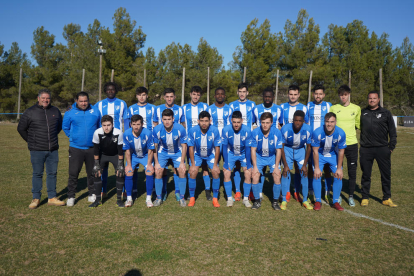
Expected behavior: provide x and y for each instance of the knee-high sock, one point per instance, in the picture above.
(128, 185)
(182, 183)
(149, 184)
(134, 183)
(164, 184)
(337, 187)
(328, 184)
(304, 181)
(246, 189)
(104, 177)
(228, 188)
(317, 187)
(177, 184)
(285, 185)
(158, 187)
(261, 183)
(256, 190)
(216, 187)
(237, 180)
(119, 187)
(97, 182)
(297, 181)
(206, 179)
(276, 190)
(191, 186)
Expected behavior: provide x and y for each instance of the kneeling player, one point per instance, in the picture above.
(170, 141)
(295, 137)
(107, 142)
(204, 148)
(266, 151)
(138, 144)
(236, 140)
(328, 143)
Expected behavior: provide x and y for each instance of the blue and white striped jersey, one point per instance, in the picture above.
(116, 108)
(220, 116)
(288, 111)
(329, 145)
(246, 108)
(266, 146)
(317, 113)
(178, 113)
(191, 114)
(146, 111)
(204, 144)
(169, 142)
(296, 140)
(274, 109)
(236, 142)
(138, 146)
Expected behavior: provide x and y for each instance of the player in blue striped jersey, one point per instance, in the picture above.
(118, 110)
(266, 151)
(295, 137)
(317, 110)
(328, 144)
(204, 148)
(139, 149)
(236, 140)
(170, 141)
(220, 111)
(143, 108)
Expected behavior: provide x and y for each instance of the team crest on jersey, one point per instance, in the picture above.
(175, 112)
(210, 138)
(271, 142)
(378, 116)
(226, 113)
(353, 114)
(303, 137)
(91, 111)
(175, 137)
(243, 138)
(115, 139)
(335, 141)
(274, 114)
(249, 108)
(149, 111)
(323, 108)
(117, 108)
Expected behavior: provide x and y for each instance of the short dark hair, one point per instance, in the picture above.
(219, 88)
(107, 118)
(329, 115)
(268, 89)
(109, 84)
(137, 117)
(204, 114)
(299, 113)
(141, 90)
(344, 88)
(168, 113)
(44, 91)
(197, 89)
(319, 87)
(374, 92)
(293, 87)
(243, 85)
(266, 115)
(237, 115)
(168, 90)
(82, 94)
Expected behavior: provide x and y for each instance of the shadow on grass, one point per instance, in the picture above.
(133, 272)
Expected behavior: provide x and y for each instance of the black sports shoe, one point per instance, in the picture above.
(120, 204)
(208, 195)
(95, 204)
(256, 205)
(275, 205)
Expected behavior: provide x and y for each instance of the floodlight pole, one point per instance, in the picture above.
(101, 51)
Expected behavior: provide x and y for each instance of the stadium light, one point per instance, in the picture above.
(101, 51)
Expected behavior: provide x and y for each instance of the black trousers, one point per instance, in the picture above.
(104, 161)
(76, 159)
(383, 157)
(351, 154)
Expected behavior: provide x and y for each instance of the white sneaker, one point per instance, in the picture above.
(149, 203)
(247, 203)
(229, 203)
(128, 203)
(70, 202)
(92, 198)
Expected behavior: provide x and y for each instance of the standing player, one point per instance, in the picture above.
(348, 117)
(139, 149)
(171, 145)
(317, 111)
(118, 110)
(236, 140)
(328, 144)
(246, 107)
(266, 151)
(107, 142)
(295, 137)
(275, 110)
(220, 112)
(288, 109)
(204, 148)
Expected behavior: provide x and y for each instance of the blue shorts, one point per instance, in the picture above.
(232, 159)
(135, 161)
(262, 162)
(331, 161)
(297, 155)
(164, 158)
(209, 160)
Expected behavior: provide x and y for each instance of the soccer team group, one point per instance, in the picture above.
(309, 139)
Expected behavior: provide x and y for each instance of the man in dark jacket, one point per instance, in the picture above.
(79, 124)
(376, 125)
(39, 127)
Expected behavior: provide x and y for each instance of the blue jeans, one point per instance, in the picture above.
(39, 159)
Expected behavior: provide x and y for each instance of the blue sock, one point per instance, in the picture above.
(256, 191)
(128, 185)
(246, 189)
(191, 186)
(228, 188)
(164, 184)
(261, 184)
(182, 183)
(134, 183)
(149, 184)
(158, 187)
(296, 180)
(337, 187)
(206, 179)
(276, 191)
(285, 185)
(304, 181)
(104, 177)
(176, 183)
(328, 184)
(317, 187)
(216, 187)
(237, 180)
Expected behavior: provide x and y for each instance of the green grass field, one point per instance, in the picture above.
(170, 240)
